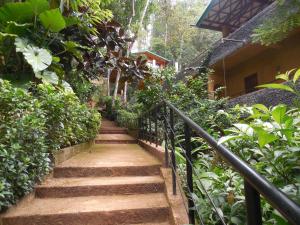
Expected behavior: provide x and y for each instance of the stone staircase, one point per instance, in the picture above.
(115, 182)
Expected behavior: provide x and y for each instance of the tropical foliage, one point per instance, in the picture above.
(34, 124)
(266, 138)
(50, 42)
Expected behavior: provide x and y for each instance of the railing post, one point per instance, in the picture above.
(173, 158)
(253, 206)
(166, 136)
(156, 126)
(189, 171)
(150, 128)
(140, 128)
(143, 127)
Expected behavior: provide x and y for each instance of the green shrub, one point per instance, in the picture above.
(68, 121)
(111, 110)
(32, 126)
(24, 155)
(127, 119)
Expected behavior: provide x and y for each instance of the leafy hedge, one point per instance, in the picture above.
(33, 125)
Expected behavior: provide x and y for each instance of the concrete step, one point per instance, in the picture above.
(76, 187)
(93, 210)
(165, 223)
(60, 172)
(115, 139)
(113, 130)
(108, 123)
(110, 160)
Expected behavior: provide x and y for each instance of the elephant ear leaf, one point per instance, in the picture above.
(53, 20)
(39, 58)
(48, 77)
(21, 44)
(38, 6)
(20, 12)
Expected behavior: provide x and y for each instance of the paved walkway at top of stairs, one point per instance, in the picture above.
(113, 183)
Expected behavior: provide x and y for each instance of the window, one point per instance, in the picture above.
(251, 83)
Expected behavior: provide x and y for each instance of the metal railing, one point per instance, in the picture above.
(157, 125)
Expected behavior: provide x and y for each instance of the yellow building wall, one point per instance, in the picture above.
(266, 65)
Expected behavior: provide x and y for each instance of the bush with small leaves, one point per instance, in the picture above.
(33, 125)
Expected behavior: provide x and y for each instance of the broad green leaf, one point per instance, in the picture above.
(209, 175)
(72, 45)
(245, 128)
(20, 12)
(67, 86)
(207, 183)
(38, 6)
(220, 212)
(280, 220)
(288, 122)
(7, 35)
(296, 76)
(284, 76)
(17, 28)
(53, 20)
(288, 134)
(264, 137)
(21, 44)
(278, 154)
(56, 59)
(290, 71)
(277, 86)
(48, 77)
(278, 113)
(39, 58)
(70, 21)
(261, 107)
(236, 220)
(227, 138)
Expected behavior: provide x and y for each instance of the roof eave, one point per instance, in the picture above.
(208, 8)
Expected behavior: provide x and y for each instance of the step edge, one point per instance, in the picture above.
(86, 212)
(98, 186)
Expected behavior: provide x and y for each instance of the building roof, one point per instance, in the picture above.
(242, 35)
(221, 48)
(154, 55)
(230, 14)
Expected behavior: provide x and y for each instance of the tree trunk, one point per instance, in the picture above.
(125, 93)
(108, 83)
(132, 15)
(140, 24)
(166, 36)
(144, 14)
(116, 88)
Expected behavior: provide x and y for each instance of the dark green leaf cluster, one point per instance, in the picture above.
(35, 123)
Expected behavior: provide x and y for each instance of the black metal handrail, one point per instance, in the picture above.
(254, 183)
